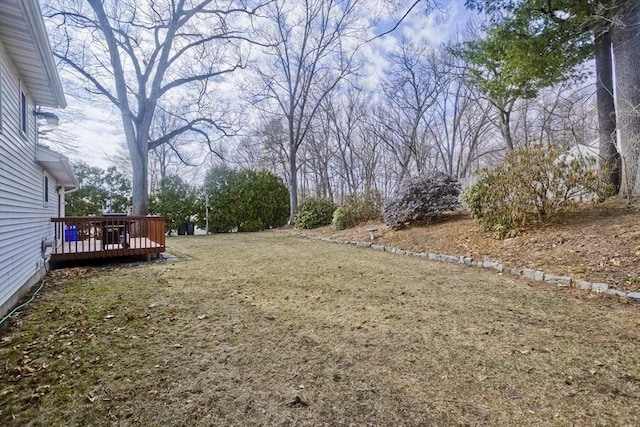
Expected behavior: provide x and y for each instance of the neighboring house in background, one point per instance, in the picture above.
(33, 178)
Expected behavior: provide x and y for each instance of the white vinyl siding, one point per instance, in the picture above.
(24, 220)
(1, 92)
(45, 190)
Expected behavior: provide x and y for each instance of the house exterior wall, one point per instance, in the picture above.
(25, 216)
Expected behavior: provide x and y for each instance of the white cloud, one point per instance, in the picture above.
(89, 131)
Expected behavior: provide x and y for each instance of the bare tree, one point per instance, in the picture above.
(318, 154)
(410, 91)
(140, 55)
(312, 50)
(173, 156)
(460, 124)
(274, 148)
(369, 153)
(345, 114)
(247, 153)
(352, 142)
(563, 115)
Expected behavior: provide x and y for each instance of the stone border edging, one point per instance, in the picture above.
(528, 273)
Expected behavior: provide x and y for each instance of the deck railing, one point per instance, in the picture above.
(84, 237)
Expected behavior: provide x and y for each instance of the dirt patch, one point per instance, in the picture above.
(267, 329)
(598, 243)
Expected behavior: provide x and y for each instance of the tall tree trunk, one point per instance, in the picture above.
(625, 36)
(609, 156)
(505, 128)
(140, 185)
(293, 185)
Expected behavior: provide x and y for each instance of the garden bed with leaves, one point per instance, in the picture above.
(597, 243)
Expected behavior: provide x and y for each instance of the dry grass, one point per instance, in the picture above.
(597, 243)
(266, 329)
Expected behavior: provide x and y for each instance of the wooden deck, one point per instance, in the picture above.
(79, 238)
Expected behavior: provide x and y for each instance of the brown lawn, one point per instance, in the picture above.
(267, 329)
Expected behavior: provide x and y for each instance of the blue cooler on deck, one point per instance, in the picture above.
(71, 234)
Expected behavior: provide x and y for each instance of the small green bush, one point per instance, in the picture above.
(532, 185)
(342, 218)
(356, 209)
(314, 212)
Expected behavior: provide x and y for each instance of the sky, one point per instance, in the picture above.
(90, 129)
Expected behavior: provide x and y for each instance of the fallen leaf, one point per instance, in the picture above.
(298, 403)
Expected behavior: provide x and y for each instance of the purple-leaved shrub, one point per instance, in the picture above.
(422, 198)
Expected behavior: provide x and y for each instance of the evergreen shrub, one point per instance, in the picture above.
(314, 212)
(243, 200)
(356, 209)
(532, 185)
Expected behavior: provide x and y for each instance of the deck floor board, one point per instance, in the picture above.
(95, 248)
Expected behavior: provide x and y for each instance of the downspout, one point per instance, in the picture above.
(62, 190)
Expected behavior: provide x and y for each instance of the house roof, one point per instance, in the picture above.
(24, 35)
(57, 165)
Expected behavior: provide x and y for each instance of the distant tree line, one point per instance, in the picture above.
(314, 114)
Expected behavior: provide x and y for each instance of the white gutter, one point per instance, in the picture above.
(73, 190)
(57, 165)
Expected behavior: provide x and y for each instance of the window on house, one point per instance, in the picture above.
(23, 113)
(46, 191)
